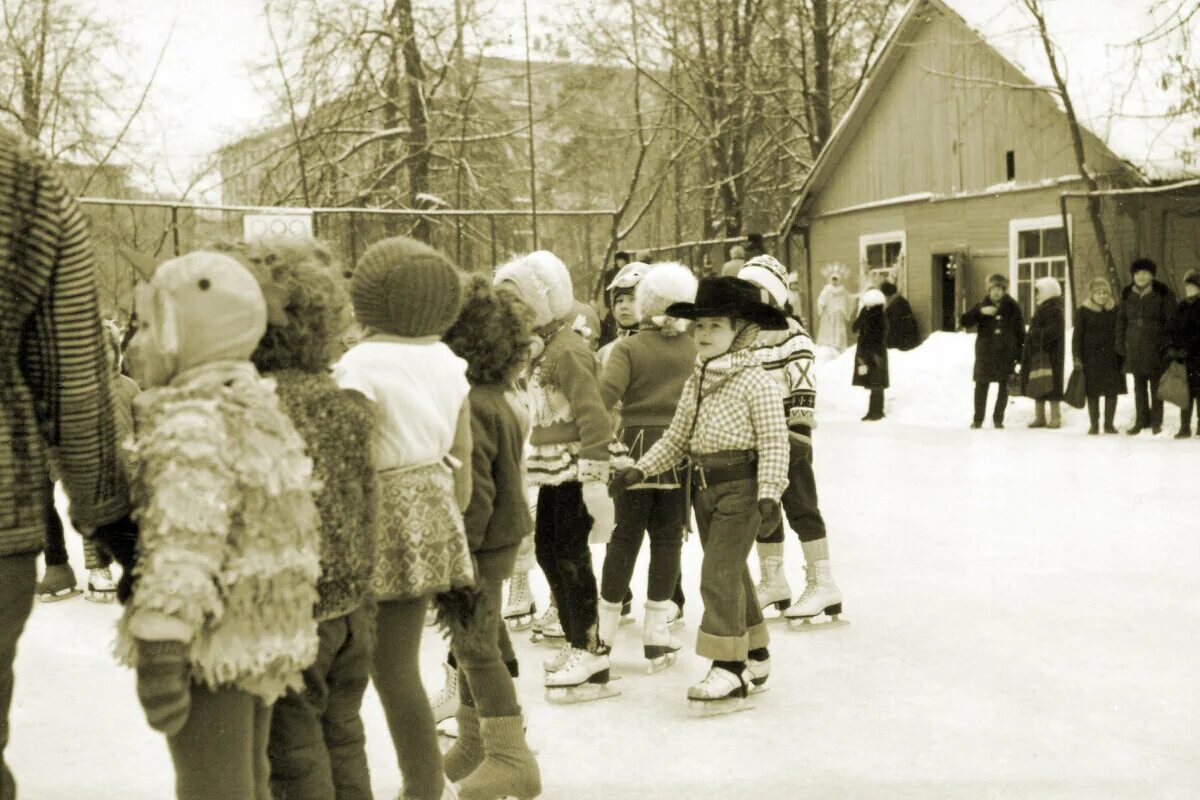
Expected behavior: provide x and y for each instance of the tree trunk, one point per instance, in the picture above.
(822, 111)
(418, 115)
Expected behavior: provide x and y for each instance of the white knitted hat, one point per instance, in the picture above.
(766, 272)
(544, 283)
(873, 297)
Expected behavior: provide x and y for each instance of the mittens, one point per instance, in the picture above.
(768, 511)
(600, 506)
(164, 684)
(623, 480)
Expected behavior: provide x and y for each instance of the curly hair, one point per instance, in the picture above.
(492, 333)
(301, 273)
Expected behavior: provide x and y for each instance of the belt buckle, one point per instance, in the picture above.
(703, 477)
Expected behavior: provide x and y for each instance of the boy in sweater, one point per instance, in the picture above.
(788, 357)
(730, 424)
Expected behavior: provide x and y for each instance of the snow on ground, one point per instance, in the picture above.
(1024, 624)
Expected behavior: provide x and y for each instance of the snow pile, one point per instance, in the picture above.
(932, 385)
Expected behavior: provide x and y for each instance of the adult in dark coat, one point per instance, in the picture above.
(1184, 347)
(1094, 350)
(1046, 337)
(902, 323)
(1146, 308)
(871, 357)
(1000, 337)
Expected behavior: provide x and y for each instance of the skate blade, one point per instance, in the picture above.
(660, 663)
(807, 623)
(62, 594)
(583, 693)
(518, 624)
(101, 597)
(702, 709)
(538, 637)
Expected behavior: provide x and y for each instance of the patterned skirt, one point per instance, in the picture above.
(421, 547)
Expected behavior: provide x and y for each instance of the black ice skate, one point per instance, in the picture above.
(583, 677)
(721, 692)
(57, 584)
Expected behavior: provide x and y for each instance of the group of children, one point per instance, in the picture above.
(301, 504)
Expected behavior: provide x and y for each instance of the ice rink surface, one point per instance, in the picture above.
(1024, 623)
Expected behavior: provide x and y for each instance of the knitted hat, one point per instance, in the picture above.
(1193, 277)
(663, 285)
(197, 309)
(767, 273)
(1143, 264)
(543, 282)
(998, 280)
(406, 288)
(873, 297)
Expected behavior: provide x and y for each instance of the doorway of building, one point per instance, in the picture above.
(944, 284)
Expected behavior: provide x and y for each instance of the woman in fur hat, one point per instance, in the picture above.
(1094, 349)
(870, 355)
(568, 461)
(1046, 337)
(1184, 347)
(406, 295)
(730, 423)
(644, 376)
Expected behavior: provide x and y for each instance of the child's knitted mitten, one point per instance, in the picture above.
(164, 685)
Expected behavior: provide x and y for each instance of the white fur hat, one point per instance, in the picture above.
(766, 272)
(1047, 288)
(544, 284)
(665, 283)
(873, 297)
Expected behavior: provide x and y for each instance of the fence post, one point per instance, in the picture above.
(492, 227)
(175, 229)
(353, 242)
(458, 241)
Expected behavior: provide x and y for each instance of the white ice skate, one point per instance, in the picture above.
(721, 692)
(520, 608)
(547, 626)
(675, 617)
(627, 613)
(583, 678)
(445, 703)
(658, 643)
(558, 660)
(757, 673)
(772, 588)
(101, 588)
(821, 596)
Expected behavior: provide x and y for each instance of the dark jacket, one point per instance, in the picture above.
(902, 331)
(1095, 345)
(497, 517)
(1184, 338)
(999, 340)
(1142, 329)
(1047, 336)
(871, 327)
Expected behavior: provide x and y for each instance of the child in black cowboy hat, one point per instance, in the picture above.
(730, 423)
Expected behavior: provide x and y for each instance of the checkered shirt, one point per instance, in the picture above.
(740, 408)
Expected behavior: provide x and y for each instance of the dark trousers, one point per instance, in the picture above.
(56, 541)
(659, 513)
(981, 397)
(875, 404)
(318, 745)
(732, 625)
(1185, 413)
(1110, 409)
(485, 678)
(560, 541)
(1149, 407)
(18, 576)
(800, 499)
(221, 753)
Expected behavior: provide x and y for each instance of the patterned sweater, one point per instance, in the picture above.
(571, 430)
(729, 403)
(788, 357)
(54, 388)
(338, 434)
(229, 542)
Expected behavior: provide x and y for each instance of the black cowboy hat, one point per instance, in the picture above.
(733, 298)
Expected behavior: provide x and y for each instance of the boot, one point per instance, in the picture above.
(657, 640)
(445, 702)
(821, 594)
(1039, 415)
(467, 752)
(1055, 415)
(609, 620)
(509, 768)
(772, 588)
(57, 584)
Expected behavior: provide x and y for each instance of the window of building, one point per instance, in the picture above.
(1037, 249)
(883, 254)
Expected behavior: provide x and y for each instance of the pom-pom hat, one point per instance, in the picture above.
(766, 272)
(734, 298)
(406, 288)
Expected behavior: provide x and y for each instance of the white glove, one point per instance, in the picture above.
(600, 506)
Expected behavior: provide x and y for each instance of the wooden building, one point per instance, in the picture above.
(953, 164)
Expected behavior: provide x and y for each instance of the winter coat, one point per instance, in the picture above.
(999, 340)
(871, 327)
(902, 324)
(1184, 339)
(1142, 329)
(1047, 335)
(1095, 345)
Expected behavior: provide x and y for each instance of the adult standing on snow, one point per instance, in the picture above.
(1143, 314)
(871, 356)
(1185, 347)
(1046, 337)
(902, 323)
(54, 393)
(1094, 348)
(1000, 335)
